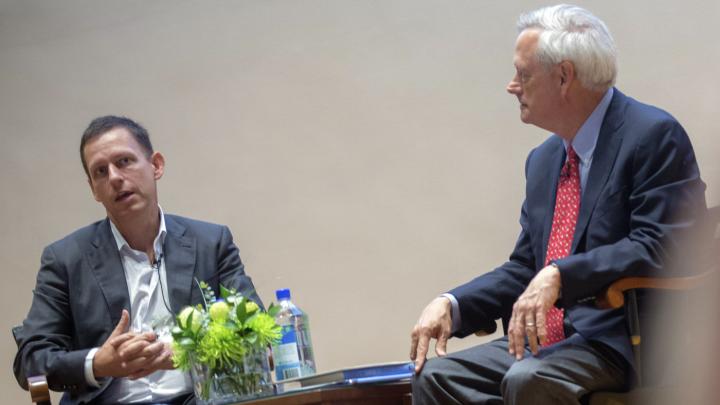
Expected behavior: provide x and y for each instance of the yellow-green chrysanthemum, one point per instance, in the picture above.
(220, 346)
(267, 330)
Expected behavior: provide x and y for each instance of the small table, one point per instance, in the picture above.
(397, 393)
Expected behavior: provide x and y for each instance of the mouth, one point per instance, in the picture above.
(123, 196)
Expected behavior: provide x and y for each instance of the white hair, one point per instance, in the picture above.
(572, 33)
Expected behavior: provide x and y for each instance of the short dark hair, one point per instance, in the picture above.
(102, 125)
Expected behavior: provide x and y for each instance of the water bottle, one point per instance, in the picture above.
(293, 355)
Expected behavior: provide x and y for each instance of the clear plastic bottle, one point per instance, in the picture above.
(293, 356)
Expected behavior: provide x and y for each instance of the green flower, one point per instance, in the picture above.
(251, 306)
(219, 334)
(268, 332)
(219, 311)
(196, 319)
(220, 347)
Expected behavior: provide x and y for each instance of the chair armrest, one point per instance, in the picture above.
(39, 392)
(614, 295)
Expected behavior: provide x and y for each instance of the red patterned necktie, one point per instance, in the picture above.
(567, 207)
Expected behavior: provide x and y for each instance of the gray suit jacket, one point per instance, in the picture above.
(81, 291)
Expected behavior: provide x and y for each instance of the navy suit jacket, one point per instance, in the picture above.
(81, 291)
(642, 197)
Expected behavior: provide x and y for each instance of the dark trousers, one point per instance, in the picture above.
(488, 374)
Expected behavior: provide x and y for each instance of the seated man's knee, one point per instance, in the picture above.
(431, 371)
(428, 385)
(523, 376)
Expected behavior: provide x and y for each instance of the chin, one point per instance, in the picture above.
(127, 211)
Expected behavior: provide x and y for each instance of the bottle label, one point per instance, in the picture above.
(287, 357)
(287, 361)
(287, 354)
(288, 335)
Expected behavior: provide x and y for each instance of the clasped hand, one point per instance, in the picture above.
(530, 310)
(131, 354)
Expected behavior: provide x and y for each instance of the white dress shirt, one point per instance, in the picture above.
(149, 303)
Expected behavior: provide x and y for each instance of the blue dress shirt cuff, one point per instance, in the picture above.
(455, 312)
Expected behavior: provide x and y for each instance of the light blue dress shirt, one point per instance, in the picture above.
(584, 145)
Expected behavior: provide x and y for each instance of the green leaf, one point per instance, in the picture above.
(225, 293)
(240, 310)
(189, 323)
(251, 338)
(273, 310)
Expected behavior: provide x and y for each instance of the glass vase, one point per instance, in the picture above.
(239, 382)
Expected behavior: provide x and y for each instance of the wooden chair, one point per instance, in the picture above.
(623, 293)
(37, 385)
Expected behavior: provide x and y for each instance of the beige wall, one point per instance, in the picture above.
(364, 153)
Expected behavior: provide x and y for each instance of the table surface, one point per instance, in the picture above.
(396, 393)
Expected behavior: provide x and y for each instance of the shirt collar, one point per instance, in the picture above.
(157, 244)
(587, 136)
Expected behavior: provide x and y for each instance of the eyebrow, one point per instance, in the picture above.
(113, 157)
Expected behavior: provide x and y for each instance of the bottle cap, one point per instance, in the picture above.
(283, 294)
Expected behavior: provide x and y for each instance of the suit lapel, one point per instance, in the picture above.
(608, 144)
(180, 252)
(550, 183)
(107, 267)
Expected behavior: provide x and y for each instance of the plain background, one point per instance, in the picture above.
(364, 153)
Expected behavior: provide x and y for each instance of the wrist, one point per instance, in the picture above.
(555, 274)
(95, 369)
(445, 302)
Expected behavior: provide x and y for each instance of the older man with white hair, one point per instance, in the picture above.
(608, 195)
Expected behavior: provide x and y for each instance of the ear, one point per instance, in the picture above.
(567, 76)
(92, 188)
(158, 162)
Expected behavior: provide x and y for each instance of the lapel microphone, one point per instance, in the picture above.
(158, 261)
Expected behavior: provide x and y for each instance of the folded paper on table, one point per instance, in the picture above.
(374, 373)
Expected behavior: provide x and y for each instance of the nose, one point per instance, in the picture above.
(514, 86)
(114, 175)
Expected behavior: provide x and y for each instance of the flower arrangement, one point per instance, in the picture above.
(223, 344)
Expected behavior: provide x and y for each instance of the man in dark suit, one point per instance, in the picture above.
(103, 290)
(610, 194)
